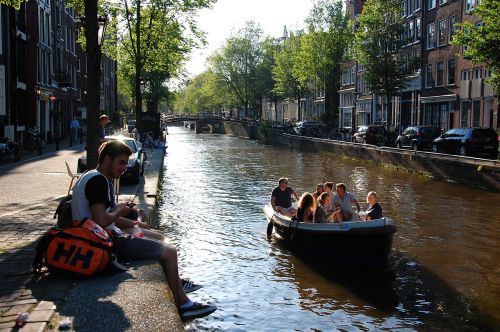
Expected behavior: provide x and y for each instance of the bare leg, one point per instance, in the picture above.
(168, 261)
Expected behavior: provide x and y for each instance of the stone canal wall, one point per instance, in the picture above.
(470, 171)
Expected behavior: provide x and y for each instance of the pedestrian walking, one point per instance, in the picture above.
(74, 127)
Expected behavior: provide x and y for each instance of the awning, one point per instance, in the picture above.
(438, 99)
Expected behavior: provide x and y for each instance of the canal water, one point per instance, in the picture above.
(444, 272)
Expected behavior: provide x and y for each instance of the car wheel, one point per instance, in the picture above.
(364, 140)
(398, 144)
(462, 151)
(435, 148)
(414, 146)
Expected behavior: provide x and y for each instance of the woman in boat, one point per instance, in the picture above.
(306, 206)
(321, 214)
(319, 190)
(374, 211)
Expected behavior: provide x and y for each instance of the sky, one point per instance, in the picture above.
(227, 16)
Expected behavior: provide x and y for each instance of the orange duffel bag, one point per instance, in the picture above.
(83, 250)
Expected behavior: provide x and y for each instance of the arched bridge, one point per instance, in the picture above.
(204, 123)
(198, 123)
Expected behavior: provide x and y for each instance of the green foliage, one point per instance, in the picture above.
(483, 42)
(12, 3)
(238, 65)
(377, 41)
(205, 92)
(323, 48)
(153, 40)
(285, 71)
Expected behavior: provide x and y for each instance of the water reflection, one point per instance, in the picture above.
(444, 274)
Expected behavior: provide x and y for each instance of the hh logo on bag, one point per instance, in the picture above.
(73, 255)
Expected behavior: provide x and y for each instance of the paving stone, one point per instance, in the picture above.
(4, 327)
(18, 308)
(45, 305)
(6, 319)
(40, 315)
(10, 304)
(34, 327)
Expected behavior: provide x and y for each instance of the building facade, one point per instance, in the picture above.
(41, 75)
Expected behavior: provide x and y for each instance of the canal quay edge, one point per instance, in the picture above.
(475, 172)
(136, 300)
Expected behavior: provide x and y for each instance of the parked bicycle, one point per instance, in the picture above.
(34, 140)
(9, 150)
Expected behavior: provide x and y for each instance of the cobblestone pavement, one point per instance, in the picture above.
(21, 291)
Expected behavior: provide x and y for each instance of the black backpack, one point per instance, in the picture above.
(63, 213)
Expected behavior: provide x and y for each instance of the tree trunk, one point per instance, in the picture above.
(299, 115)
(138, 94)
(93, 82)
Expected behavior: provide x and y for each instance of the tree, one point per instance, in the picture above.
(156, 36)
(482, 42)
(285, 73)
(236, 64)
(377, 42)
(322, 51)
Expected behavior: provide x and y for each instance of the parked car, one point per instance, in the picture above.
(135, 167)
(468, 142)
(372, 134)
(418, 137)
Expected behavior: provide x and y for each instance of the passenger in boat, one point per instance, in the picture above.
(281, 198)
(306, 207)
(321, 214)
(342, 203)
(328, 187)
(319, 191)
(374, 211)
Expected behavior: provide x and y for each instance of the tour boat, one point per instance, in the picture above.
(366, 243)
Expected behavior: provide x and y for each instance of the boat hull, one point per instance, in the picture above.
(367, 243)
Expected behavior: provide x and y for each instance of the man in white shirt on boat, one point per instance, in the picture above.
(281, 198)
(343, 201)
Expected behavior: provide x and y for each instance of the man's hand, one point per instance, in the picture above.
(143, 225)
(122, 210)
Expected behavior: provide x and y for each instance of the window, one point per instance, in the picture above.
(417, 4)
(477, 73)
(402, 61)
(441, 32)
(476, 113)
(431, 4)
(409, 7)
(440, 73)
(403, 8)
(429, 81)
(450, 77)
(411, 32)
(451, 27)
(431, 36)
(469, 5)
(442, 2)
(353, 74)
(417, 29)
(409, 60)
(465, 75)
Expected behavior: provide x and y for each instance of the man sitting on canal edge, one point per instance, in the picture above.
(91, 199)
(281, 198)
